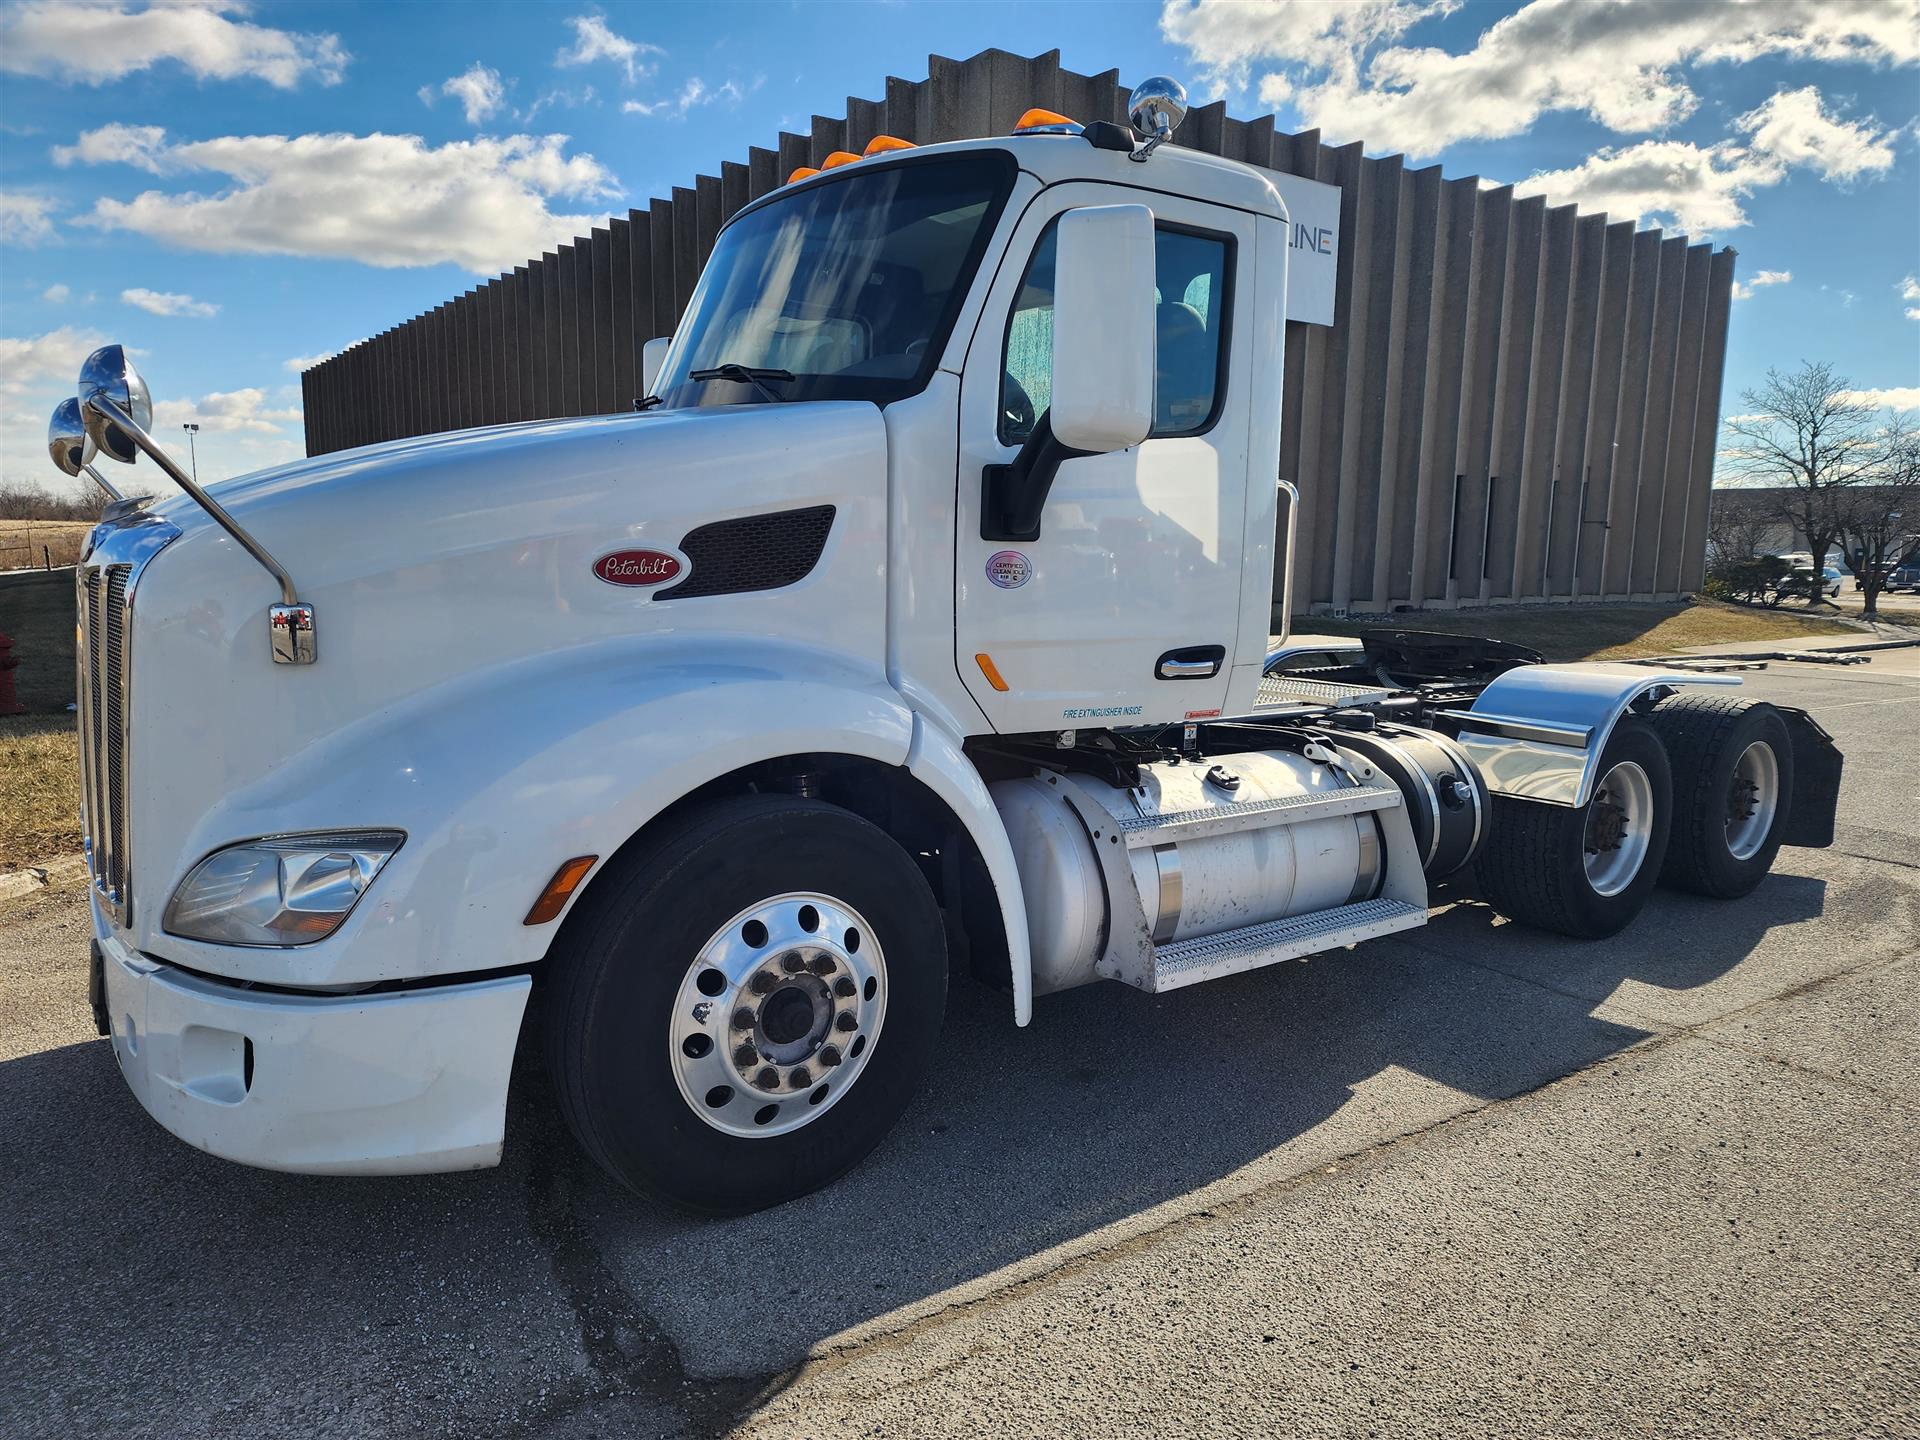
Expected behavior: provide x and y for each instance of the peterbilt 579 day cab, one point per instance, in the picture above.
(918, 617)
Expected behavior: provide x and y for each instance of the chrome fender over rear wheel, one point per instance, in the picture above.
(1585, 871)
(743, 1004)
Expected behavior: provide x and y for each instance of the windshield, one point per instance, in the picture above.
(848, 284)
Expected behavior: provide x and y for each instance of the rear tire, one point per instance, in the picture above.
(784, 927)
(1584, 872)
(1732, 755)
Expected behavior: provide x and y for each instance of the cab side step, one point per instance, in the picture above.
(1209, 957)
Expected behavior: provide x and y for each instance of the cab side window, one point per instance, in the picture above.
(1191, 305)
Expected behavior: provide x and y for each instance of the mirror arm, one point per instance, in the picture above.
(102, 481)
(206, 502)
(1012, 495)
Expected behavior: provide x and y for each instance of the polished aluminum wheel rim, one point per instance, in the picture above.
(1752, 800)
(1619, 823)
(778, 1015)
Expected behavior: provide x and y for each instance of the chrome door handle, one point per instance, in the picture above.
(1188, 669)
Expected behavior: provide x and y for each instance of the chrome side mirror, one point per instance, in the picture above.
(109, 375)
(67, 438)
(1155, 108)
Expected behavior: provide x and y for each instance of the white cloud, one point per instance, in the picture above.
(593, 40)
(1794, 128)
(1899, 397)
(1743, 290)
(1910, 290)
(1698, 188)
(25, 219)
(478, 89)
(32, 363)
(387, 200)
(694, 92)
(57, 295)
(136, 145)
(94, 43)
(1617, 63)
(226, 411)
(306, 362)
(164, 302)
(562, 97)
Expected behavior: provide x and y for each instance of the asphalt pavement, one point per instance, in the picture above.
(1466, 1181)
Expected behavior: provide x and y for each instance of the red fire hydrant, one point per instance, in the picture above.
(9, 702)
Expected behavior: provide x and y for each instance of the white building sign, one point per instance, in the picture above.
(1313, 213)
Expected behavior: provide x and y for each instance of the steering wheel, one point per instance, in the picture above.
(1016, 406)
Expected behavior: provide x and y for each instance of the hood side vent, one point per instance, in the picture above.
(753, 552)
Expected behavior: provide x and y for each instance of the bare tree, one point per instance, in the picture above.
(1806, 433)
(1738, 522)
(24, 500)
(1879, 518)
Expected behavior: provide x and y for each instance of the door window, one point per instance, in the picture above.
(1191, 304)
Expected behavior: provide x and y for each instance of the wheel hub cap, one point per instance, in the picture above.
(777, 1015)
(1619, 821)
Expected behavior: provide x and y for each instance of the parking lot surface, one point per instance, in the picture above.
(1468, 1181)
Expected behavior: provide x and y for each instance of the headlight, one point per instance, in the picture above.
(282, 890)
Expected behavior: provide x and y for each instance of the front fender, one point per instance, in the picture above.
(1537, 731)
(499, 776)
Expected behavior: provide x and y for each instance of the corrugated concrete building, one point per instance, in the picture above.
(1513, 402)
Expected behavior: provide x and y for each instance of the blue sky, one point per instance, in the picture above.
(229, 189)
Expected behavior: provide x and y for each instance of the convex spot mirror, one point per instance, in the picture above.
(67, 439)
(651, 355)
(108, 374)
(1103, 331)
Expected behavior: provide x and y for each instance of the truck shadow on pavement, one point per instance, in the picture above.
(541, 1294)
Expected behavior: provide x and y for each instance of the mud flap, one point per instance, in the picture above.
(1817, 762)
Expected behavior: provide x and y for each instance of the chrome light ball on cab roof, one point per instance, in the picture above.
(109, 375)
(1156, 107)
(67, 439)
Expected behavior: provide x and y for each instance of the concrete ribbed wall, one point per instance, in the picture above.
(1514, 402)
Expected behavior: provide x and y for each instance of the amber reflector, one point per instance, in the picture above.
(991, 671)
(880, 144)
(801, 173)
(560, 889)
(1038, 119)
(838, 158)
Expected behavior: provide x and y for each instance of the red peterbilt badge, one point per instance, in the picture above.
(637, 567)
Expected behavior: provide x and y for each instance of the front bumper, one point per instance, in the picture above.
(384, 1084)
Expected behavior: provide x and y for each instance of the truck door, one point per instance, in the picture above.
(1126, 608)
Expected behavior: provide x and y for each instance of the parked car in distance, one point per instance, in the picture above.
(1801, 581)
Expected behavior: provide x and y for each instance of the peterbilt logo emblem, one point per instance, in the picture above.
(637, 567)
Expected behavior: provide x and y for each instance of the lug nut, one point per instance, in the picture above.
(822, 965)
(793, 962)
(768, 1078)
(830, 1055)
(800, 1079)
(745, 1056)
(763, 982)
(743, 1018)
(844, 988)
(845, 1021)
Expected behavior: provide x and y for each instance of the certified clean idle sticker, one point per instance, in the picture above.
(1009, 569)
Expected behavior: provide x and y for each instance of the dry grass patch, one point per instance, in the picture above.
(39, 788)
(36, 544)
(1603, 632)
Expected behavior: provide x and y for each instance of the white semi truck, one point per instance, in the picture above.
(915, 622)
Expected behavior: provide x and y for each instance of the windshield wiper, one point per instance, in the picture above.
(754, 375)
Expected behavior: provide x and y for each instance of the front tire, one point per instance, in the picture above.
(744, 1003)
(1585, 872)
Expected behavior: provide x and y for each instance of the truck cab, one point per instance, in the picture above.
(914, 624)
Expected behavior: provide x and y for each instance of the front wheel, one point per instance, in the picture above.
(744, 1005)
(1586, 871)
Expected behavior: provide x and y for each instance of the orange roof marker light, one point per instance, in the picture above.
(1047, 122)
(802, 172)
(839, 158)
(880, 144)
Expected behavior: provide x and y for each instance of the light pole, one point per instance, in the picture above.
(193, 459)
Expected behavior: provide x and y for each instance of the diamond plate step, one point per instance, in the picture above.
(1209, 957)
(1147, 830)
(1292, 690)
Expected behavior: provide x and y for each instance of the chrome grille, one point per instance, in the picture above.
(104, 663)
